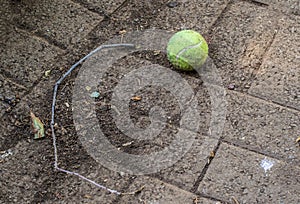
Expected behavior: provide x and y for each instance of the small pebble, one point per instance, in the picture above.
(172, 4)
(231, 86)
(95, 94)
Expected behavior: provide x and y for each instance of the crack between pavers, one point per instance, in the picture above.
(94, 10)
(38, 35)
(210, 158)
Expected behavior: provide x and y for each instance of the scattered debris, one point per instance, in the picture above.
(172, 4)
(5, 153)
(67, 104)
(38, 127)
(95, 94)
(127, 144)
(298, 140)
(88, 88)
(235, 200)
(231, 86)
(196, 200)
(260, 2)
(134, 192)
(212, 154)
(122, 32)
(47, 73)
(266, 164)
(136, 98)
(156, 52)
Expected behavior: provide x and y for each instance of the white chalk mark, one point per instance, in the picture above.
(266, 164)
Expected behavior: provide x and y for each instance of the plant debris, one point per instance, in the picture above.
(136, 98)
(38, 127)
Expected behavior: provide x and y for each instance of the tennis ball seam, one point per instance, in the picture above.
(187, 48)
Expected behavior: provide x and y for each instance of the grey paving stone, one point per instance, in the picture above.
(238, 173)
(156, 191)
(10, 94)
(24, 169)
(186, 171)
(24, 58)
(239, 40)
(263, 127)
(288, 7)
(197, 15)
(75, 190)
(102, 7)
(278, 79)
(62, 23)
(183, 173)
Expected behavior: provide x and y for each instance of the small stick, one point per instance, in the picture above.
(235, 200)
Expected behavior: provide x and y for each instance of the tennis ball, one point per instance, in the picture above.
(187, 50)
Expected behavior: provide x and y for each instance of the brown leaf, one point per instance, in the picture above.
(136, 98)
(38, 127)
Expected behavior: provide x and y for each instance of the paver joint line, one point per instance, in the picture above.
(53, 114)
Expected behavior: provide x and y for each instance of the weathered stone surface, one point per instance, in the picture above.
(262, 126)
(278, 77)
(156, 191)
(238, 173)
(61, 23)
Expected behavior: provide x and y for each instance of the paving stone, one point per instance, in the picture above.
(263, 127)
(239, 40)
(24, 58)
(10, 94)
(103, 7)
(23, 171)
(196, 15)
(183, 173)
(238, 173)
(186, 171)
(288, 7)
(278, 79)
(156, 191)
(76, 190)
(62, 23)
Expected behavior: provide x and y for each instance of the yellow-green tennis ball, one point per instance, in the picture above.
(187, 50)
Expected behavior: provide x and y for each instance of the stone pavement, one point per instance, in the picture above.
(255, 46)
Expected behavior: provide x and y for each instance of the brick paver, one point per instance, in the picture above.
(156, 191)
(254, 46)
(262, 126)
(278, 77)
(62, 23)
(197, 15)
(105, 7)
(239, 41)
(237, 173)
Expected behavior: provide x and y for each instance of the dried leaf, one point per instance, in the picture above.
(136, 98)
(122, 32)
(38, 127)
(156, 52)
(212, 154)
(47, 73)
